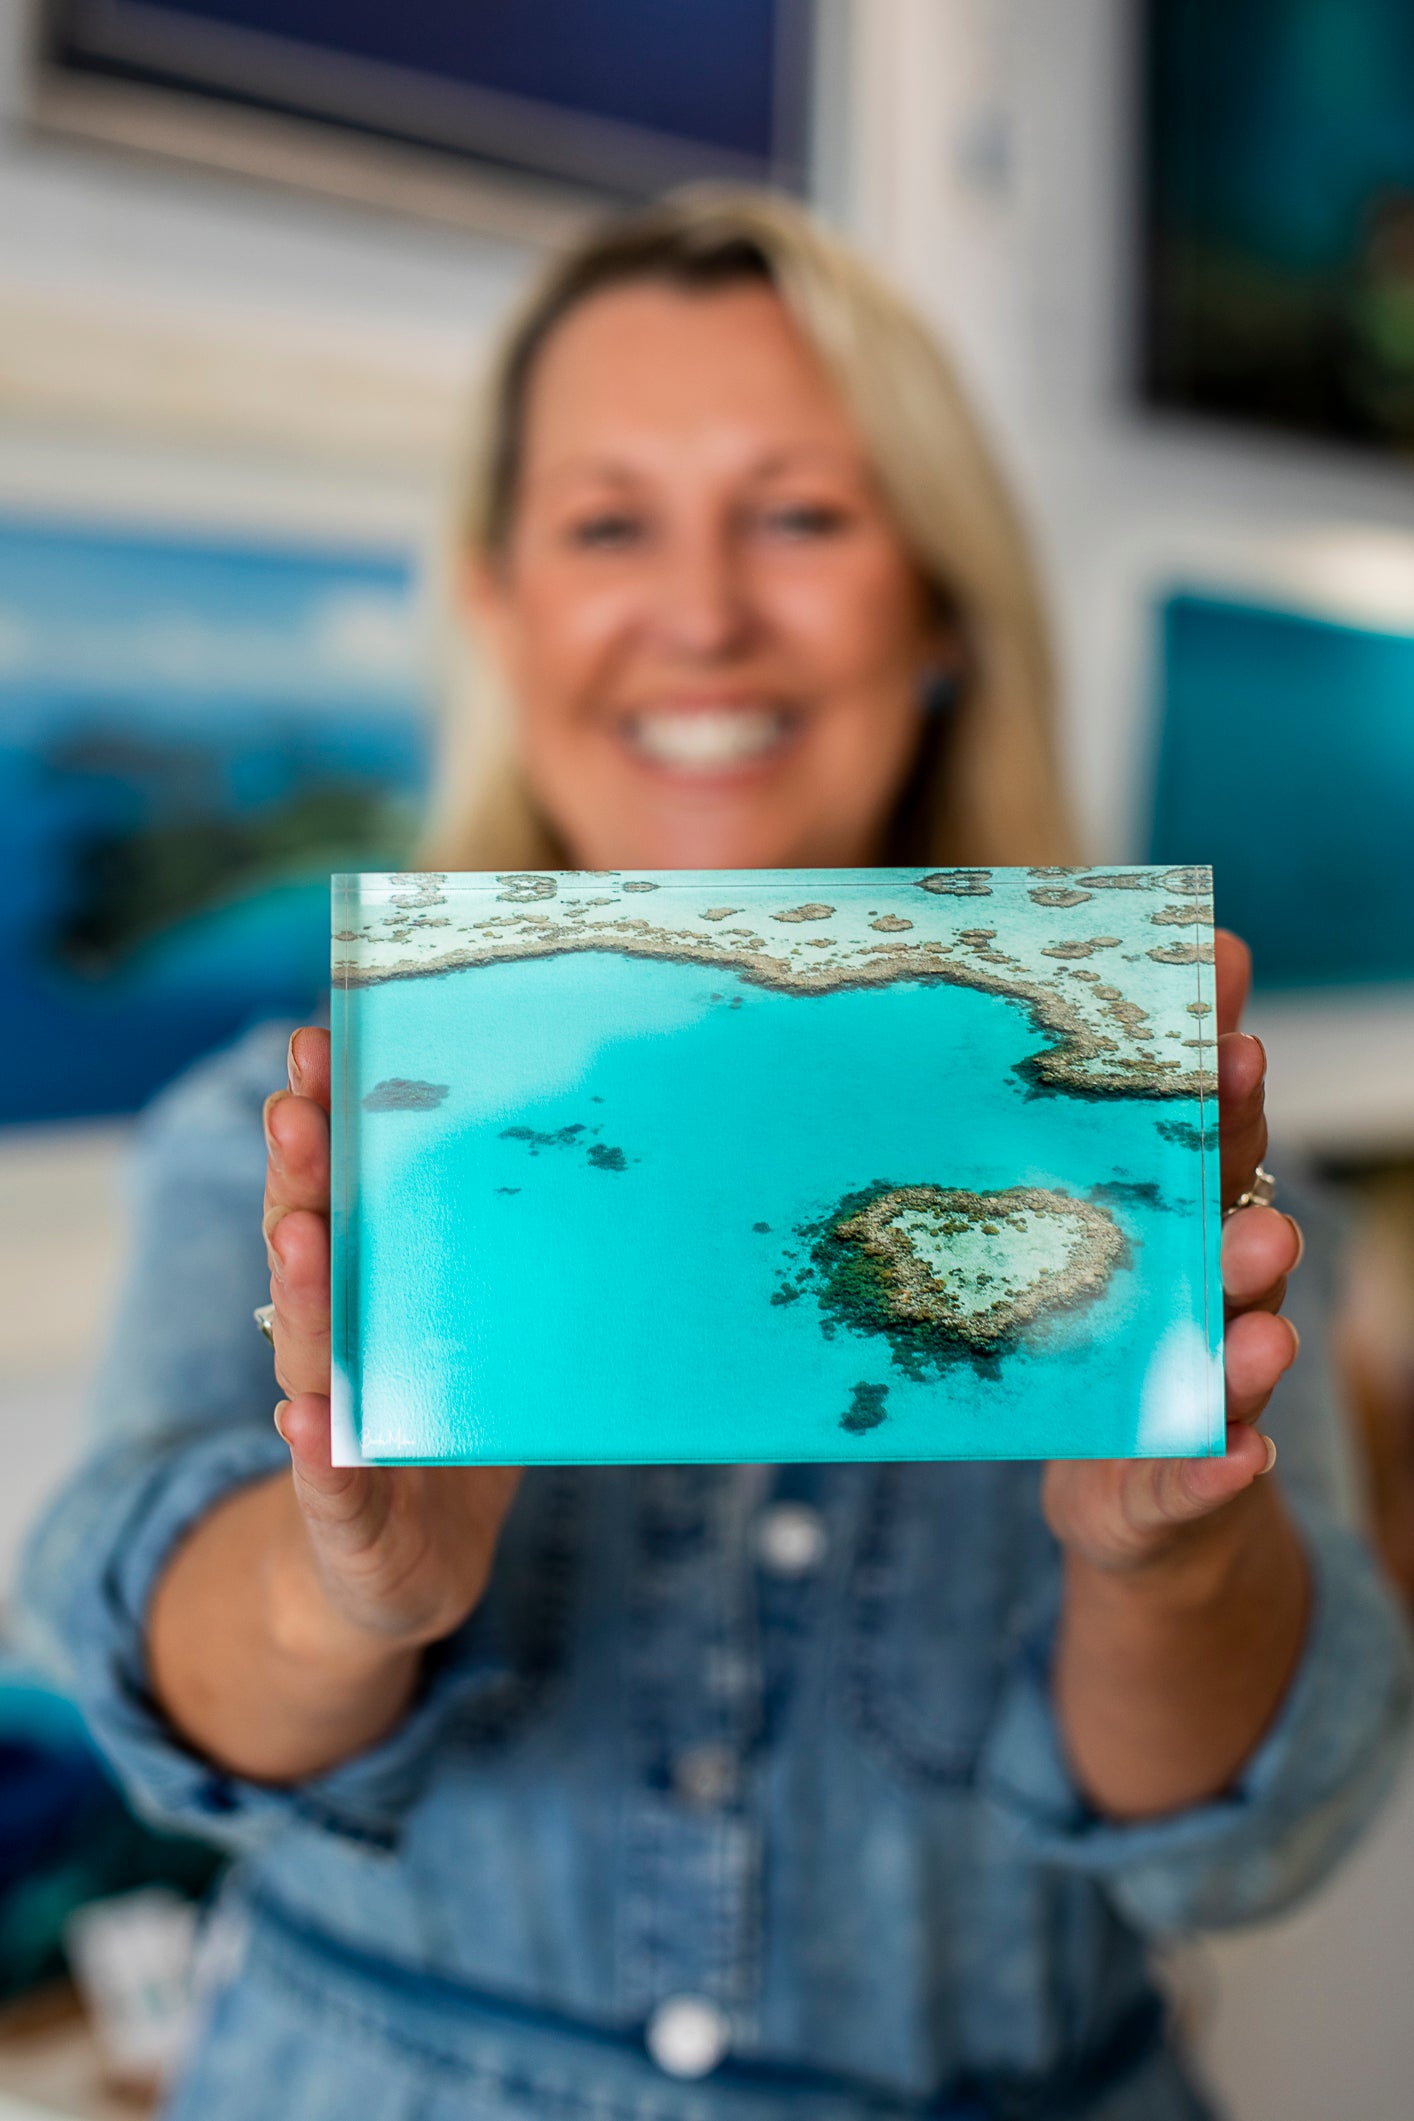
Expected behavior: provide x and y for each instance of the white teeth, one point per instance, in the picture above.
(709, 739)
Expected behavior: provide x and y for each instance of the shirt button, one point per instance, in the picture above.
(706, 1774)
(687, 2036)
(790, 1539)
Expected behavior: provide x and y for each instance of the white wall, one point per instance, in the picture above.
(208, 349)
(996, 173)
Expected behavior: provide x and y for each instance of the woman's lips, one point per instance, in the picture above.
(707, 740)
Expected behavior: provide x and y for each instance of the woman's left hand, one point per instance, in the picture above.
(1120, 1514)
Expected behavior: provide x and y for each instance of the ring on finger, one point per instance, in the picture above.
(1260, 1194)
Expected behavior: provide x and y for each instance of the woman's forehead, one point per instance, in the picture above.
(640, 368)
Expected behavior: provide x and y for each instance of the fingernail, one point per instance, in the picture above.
(1258, 1044)
(1271, 1450)
(1300, 1247)
(1296, 1337)
(292, 1066)
(272, 1147)
(280, 1413)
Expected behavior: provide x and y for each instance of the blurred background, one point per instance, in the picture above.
(249, 253)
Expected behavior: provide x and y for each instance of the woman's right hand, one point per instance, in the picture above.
(397, 1556)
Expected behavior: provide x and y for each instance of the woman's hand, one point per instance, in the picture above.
(1185, 1579)
(286, 1633)
(400, 1554)
(1127, 1513)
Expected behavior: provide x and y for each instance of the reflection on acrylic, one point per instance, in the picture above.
(775, 1165)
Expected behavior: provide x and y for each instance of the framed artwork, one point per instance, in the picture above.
(192, 736)
(775, 1165)
(1315, 713)
(1279, 239)
(617, 100)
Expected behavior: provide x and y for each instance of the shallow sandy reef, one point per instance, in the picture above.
(980, 1266)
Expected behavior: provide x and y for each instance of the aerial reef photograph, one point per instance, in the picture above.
(844, 1136)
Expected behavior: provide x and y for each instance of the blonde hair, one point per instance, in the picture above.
(985, 790)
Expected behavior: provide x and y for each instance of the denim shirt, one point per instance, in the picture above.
(741, 1794)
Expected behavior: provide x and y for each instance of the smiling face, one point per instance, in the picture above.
(710, 625)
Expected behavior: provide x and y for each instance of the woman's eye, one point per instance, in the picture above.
(806, 519)
(613, 528)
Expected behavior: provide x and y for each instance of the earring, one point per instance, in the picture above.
(939, 692)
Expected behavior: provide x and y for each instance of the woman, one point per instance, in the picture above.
(715, 1791)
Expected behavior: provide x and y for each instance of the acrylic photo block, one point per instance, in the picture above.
(775, 1165)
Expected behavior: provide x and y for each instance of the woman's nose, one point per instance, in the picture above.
(702, 606)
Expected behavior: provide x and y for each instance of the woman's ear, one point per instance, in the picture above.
(943, 675)
(939, 690)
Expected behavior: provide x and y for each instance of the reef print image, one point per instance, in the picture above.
(775, 1165)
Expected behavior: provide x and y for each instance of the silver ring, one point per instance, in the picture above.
(264, 1316)
(1260, 1194)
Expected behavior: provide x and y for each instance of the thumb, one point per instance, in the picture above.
(1232, 973)
(1178, 1491)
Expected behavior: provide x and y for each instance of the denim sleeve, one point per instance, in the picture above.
(1320, 1772)
(182, 1418)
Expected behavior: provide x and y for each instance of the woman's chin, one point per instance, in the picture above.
(692, 827)
(689, 844)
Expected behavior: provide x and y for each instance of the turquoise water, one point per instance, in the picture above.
(556, 1295)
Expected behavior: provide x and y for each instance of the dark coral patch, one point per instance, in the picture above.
(866, 1409)
(561, 1138)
